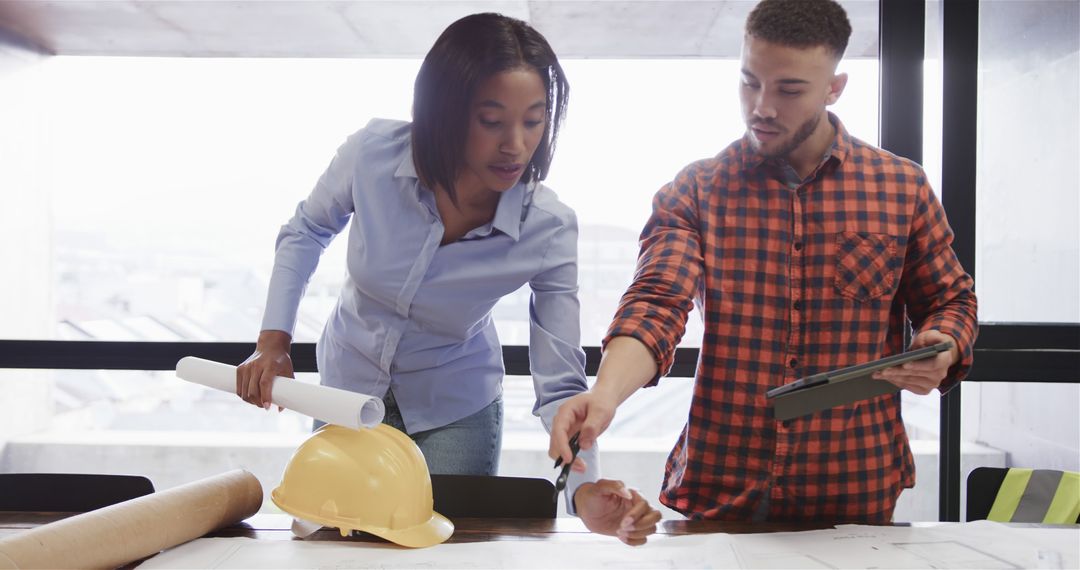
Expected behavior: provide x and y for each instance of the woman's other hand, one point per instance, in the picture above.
(255, 376)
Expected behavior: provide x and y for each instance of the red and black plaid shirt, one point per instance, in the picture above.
(794, 278)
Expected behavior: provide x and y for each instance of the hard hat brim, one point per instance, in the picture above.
(435, 531)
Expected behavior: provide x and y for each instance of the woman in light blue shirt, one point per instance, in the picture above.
(446, 215)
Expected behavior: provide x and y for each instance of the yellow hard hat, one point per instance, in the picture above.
(374, 480)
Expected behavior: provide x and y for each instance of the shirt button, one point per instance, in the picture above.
(797, 305)
(798, 246)
(793, 362)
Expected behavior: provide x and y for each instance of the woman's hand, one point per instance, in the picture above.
(609, 507)
(255, 377)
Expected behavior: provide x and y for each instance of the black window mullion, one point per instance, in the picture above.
(960, 60)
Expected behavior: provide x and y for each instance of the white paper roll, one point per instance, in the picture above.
(331, 405)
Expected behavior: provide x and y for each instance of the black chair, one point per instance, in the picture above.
(68, 492)
(983, 484)
(481, 496)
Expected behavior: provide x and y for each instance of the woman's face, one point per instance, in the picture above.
(507, 117)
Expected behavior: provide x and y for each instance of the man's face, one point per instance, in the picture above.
(784, 92)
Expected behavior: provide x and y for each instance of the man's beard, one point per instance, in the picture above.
(801, 134)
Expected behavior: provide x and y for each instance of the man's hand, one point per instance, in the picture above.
(586, 413)
(625, 366)
(609, 507)
(255, 377)
(922, 376)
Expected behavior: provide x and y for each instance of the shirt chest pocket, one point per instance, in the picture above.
(867, 265)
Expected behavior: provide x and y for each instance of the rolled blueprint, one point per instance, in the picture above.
(125, 532)
(331, 405)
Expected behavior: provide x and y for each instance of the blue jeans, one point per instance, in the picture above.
(469, 446)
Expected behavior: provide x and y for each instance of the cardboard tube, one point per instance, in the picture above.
(125, 532)
(331, 405)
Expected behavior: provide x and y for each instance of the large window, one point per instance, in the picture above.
(171, 178)
(1026, 247)
(1028, 206)
(1028, 240)
(167, 180)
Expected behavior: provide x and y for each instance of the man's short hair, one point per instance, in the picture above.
(801, 24)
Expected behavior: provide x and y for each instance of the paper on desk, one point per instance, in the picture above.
(331, 405)
(1022, 546)
(575, 551)
(820, 549)
(947, 545)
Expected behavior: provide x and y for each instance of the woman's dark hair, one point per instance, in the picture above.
(468, 52)
(801, 24)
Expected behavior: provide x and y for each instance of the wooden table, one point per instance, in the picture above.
(278, 527)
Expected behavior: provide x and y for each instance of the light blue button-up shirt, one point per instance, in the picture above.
(415, 316)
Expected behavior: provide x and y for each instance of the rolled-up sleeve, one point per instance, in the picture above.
(655, 307)
(938, 292)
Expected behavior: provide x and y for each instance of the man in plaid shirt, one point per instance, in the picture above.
(806, 250)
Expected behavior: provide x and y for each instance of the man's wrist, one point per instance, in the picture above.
(606, 394)
(954, 350)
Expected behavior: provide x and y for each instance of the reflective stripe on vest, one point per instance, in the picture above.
(1038, 496)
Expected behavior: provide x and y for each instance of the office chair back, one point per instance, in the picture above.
(1023, 495)
(68, 492)
(480, 496)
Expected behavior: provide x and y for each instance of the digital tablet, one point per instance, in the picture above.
(834, 388)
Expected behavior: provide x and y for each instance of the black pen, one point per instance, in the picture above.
(560, 483)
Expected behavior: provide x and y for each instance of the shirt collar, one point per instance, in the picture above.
(509, 214)
(842, 145)
(406, 168)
